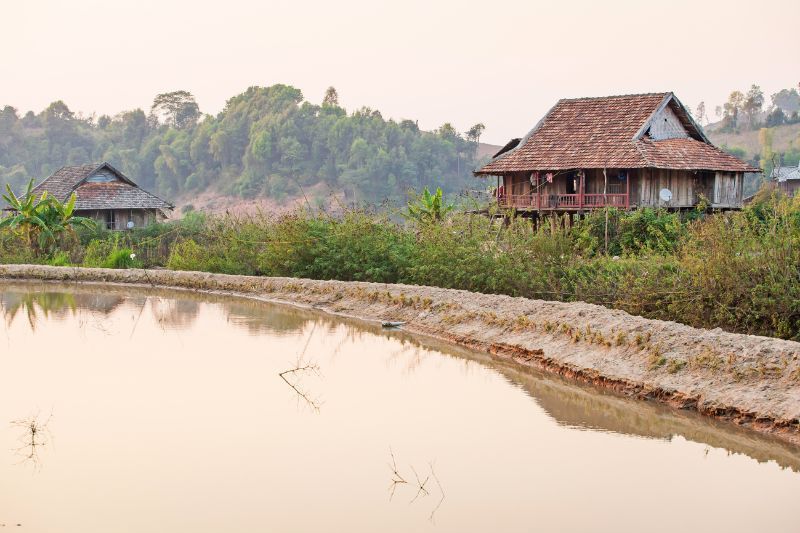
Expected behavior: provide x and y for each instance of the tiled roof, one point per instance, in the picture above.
(608, 132)
(64, 180)
(689, 154)
(120, 194)
(116, 195)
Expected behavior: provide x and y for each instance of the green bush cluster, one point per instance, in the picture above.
(739, 271)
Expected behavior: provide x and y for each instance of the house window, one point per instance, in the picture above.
(103, 176)
(111, 219)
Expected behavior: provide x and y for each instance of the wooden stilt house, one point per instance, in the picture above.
(630, 151)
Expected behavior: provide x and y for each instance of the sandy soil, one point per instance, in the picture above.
(749, 380)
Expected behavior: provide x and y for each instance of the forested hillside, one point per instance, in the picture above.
(267, 141)
(763, 134)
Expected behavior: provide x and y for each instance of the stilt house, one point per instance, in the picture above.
(641, 150)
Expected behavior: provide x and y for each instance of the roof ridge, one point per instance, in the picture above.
(608, 97)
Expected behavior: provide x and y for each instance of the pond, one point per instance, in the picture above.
(131, 410)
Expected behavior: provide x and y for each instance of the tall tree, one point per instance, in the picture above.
(474, 133)
(700, 114)
(732, 109)
(753, 104)
(767, 155)
(331, 97)
(179, 109)
(788, 100)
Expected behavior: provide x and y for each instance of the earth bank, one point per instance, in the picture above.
(749, 380)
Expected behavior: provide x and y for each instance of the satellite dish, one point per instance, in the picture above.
(665, 195)
(130, 224)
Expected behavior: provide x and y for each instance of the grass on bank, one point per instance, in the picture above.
(739, 271)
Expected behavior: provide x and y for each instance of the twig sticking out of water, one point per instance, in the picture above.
(421, 490)
(397, 479)
(301, 367)
(35, 435)
(420, 484)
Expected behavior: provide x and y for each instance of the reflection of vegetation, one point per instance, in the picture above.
(259, 317)
(35, 303)
(569, 404)
(174, 313)
(35, 434)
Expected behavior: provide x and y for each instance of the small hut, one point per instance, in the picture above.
(106, 195)
(787, 179)
(641, 150)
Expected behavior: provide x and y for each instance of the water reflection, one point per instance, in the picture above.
(192, 388)
(568, 403)
(55, 305)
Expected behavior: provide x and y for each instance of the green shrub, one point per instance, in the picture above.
(59, 259)
(121, 258)
(14, 249)
(739, 271)
(97, 251)
(186, 255)
(110, 254)
(641, 231)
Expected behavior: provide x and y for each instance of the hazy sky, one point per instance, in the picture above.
(501, 63)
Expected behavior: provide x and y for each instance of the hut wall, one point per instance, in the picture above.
(667, 125)
(595, 181)
(727, 190)
(140, 217)
(789, 187)
(723, 189)
(683, 184)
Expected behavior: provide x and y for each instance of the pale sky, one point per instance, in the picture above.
(503, 63)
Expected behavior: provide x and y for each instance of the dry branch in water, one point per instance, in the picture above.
(300, 369)
(397, 479)
(302, 366)
(35, 435)
(421, 490)
(421, 484)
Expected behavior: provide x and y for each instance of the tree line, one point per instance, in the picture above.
(746, 110)
(267, 141)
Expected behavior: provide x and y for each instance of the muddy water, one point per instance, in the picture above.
(135, 410)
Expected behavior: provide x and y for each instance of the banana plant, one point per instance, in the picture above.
(26, 211)
(44, 219)
(428, 207)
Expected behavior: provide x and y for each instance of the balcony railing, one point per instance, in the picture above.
(567, 202)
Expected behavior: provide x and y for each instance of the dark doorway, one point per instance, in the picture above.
(572, 184)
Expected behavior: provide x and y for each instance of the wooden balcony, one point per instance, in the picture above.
(563, 202)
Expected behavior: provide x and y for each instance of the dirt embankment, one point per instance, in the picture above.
(749, 380)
